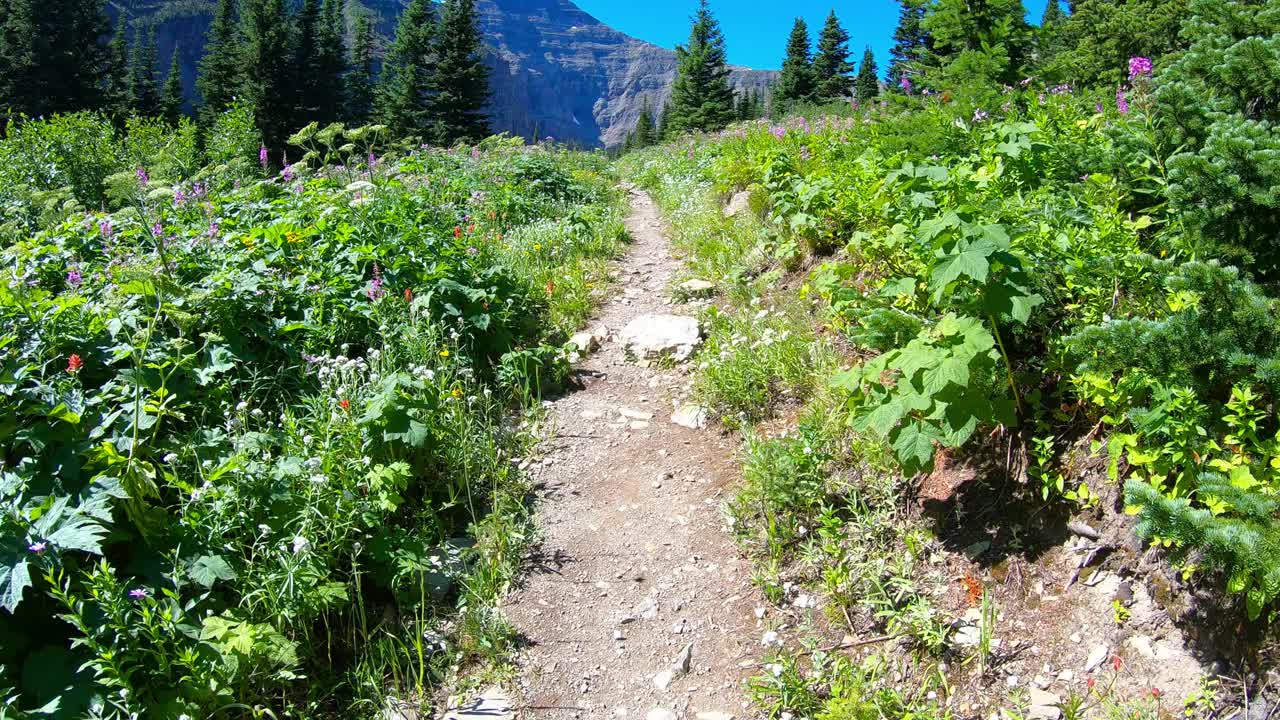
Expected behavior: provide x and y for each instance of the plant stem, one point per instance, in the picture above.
(1008, 366)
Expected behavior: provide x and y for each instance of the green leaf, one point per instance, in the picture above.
(913, 448)
(208, 569)
(884, 418)
(952, 370)
(14, 579)
(973, 261)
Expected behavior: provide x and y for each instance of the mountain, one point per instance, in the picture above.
(557, 71)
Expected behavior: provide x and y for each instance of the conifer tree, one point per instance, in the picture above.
(868, 77)
(143, 86)
(17, 57)
(664, 124)
(116, 97)
(53, 57)
(701, 98)
(1096, 41)
(911, 41)
(305, 63)
(220, 79)
(331, 60)
(460, 82)
(1050, 33)
(267, 75)
(646, 133)
(796, 82)
(831, 66)
(404, 94)
(359, 82)
(989, 34)
(171, 100)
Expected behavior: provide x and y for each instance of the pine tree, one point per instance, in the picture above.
(220, 79)
(171, 101)
(116, 97)
(1096, 41)
(868, 77)
(265, 58)
(142, 72)
(359, 83)
(911, 42)
(52, 55)
(995, 30)
(460, 83)
(403, 94)
(701, 98)
(305, 63)
(646, 133)
(17, 58)
(1053, 14)
(331, 63)
(664, 124)
(796, 82)
(831, 65)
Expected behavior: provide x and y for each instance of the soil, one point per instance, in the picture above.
(629, 511)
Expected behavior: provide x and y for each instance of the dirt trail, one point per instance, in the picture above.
(634, 565)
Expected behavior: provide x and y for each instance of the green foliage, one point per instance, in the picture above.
(1094, 44)
(360, 82)
(171, 100)
(701, 98)
(868, 82)
(219, 78)
(981, 44)
(144, 90)
(264, 59)
(53, 56)
(257, 425)
(911, 41)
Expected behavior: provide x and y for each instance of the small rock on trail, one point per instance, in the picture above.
(655, 336)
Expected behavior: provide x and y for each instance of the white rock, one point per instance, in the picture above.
(967, 636)
(1044, 705)
(647, 609)
(691, 416)
(713, 716)
(633, 414)
(1096, 656)
(652, 337)
(697, 288)
(1142, 644)
(662, 680)
(492, 705)
(660, 714)
(585, 342)
(739, 203)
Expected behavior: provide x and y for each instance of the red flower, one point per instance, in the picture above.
(551, 287)
(408, 294)
(1091, 683)
(74, 363)
(345, 404)
(471, 228)
(457, 232)
(1116, 662)
(1155, 693)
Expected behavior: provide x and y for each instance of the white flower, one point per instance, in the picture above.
(319, 479)
(171, 458)
(770, 639)
(307, 440)
(241, 406)
(301, 544)
(264, 529)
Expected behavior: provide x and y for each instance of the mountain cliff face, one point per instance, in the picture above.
(557, 71)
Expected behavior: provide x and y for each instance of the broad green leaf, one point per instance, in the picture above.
(883, 419)
(913, 448)
(972, 262)
(208, 569)
(14, 579)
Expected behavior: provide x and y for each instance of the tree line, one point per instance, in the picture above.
(315, 63)
(974, 46)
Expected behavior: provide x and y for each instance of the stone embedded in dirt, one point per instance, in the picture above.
(1096, 656)
(632, 414)
(1044, 705)
(639, 425)
(697, 288)
(967, 636)
(491, 705)
(713, 716)
(678, 669)
(738, 204)
(662, 680)
(585, 342)
(660, 714)
(654, 337)
(647, 609)
(690, 416)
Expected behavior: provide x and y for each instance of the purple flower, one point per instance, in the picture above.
(213, 230)
(1139, 66)
(779, 132)
(980, 115)
(287, 173)
(138, 593)
(375, 291)
(373, 160)
(74, 278)
(262, 156)
(179, 197)
(906, 84)
(105, 228)
(475, 153)
(141, 174)
(157, 230)
(38, 547)
(1099, 108)
(1122, 102)
(473, 251)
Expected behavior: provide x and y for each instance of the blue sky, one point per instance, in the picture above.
(755, 31)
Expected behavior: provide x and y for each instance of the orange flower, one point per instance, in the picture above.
(1156, 693)
(457, 231)
(74, 363)
(1116, 662)
(345, 404)
(551, 287)
(408, 294)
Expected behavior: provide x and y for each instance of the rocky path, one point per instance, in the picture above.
(636, 603)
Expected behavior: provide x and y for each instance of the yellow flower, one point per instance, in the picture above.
(457, 392)
(444, 353)
(537, 246)
(291, 237)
